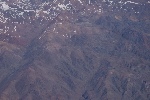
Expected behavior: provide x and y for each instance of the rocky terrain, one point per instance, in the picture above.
(74, 50)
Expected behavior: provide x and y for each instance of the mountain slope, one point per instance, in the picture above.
(76, 51)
